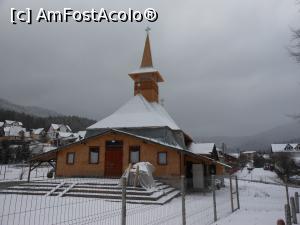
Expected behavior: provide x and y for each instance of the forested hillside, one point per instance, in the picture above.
(29, 121)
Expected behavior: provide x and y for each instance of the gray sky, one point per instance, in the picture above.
(225, 63)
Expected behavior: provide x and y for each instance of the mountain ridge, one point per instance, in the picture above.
(286, 133)
(30, 110)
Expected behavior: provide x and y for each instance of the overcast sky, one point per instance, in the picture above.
(225, 63)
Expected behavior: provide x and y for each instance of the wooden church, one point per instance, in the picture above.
(139, 131)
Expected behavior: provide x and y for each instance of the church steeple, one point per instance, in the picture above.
(147, 57)
(146, 78)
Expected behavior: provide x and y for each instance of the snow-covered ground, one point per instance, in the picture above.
(12, 172)
(258, 174)
(260, 204)
(37, 210)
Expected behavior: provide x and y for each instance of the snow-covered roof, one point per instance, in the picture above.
(12, 122)
(266, 156)
(48, 148)
(65, 134)
(55, 126)
(9, 121)
(144, 70)
(278, 147)
(137, 112)
(248, 152)
(201, 148)
(37, 131)
(284, 147)
(234, 154)
(81, 134)
(58, 126)
(14, 131)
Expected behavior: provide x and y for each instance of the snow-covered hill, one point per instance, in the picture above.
(262, 141)
(30, 110)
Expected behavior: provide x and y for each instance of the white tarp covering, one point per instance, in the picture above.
(141, 175)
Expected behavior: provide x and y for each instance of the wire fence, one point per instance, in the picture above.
(105, 201)
(19, 172)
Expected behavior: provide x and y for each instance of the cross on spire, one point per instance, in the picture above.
(147, 57)
(147, 29)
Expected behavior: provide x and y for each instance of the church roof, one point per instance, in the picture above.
(138, 112)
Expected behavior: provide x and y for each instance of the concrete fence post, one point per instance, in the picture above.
(287, 214)
(183, 200)
(237, 192)
(231, 193)
(293, 210)
(213, 185)
(297, 202)
(123, 215)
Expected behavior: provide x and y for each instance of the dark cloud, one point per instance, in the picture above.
(226, 66)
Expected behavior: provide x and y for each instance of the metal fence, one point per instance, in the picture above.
(111, 201)
(15, 172)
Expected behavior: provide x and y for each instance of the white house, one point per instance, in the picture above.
(54, 130)
(288, 147)
(292, 149)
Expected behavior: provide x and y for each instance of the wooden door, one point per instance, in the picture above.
(113, 161)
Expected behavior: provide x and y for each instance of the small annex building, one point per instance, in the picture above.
(139, 131)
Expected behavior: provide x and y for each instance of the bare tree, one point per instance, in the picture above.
(284, 163)
(295, 48)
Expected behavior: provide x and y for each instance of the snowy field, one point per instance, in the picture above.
(259, 174)
(13, 172)
(260, 204)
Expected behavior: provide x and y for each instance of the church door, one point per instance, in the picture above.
(113, 158)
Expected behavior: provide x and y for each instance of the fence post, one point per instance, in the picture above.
(289, 222)
(297, 202)
(293, 210)
(213, 185)
(123, 215)
(183, 200)
(287, 214)
(29, 171)
(4, 172)
(287, 191)
(237, 192)
(231, 196)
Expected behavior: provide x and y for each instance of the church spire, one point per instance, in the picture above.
(147, 57)
(146, 78)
